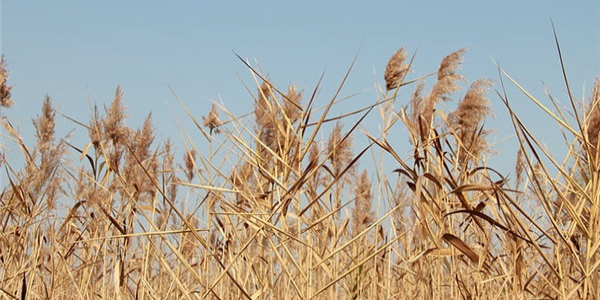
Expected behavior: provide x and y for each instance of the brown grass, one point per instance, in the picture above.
(282, 204)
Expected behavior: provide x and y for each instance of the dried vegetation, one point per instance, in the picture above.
(279, 204)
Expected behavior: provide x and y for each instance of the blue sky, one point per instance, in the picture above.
(77, 51)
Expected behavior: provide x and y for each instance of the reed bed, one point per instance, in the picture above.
(281, 203)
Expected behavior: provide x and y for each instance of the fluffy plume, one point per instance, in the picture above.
(190, 164)
(114, 125)
(447, 76)
(395, 70)
(291, 107)
(140, 145)
(469, 115)
(362, 214)
(339, 149)
(45, 125)
(43, 175)
(212, 122)
(114, 129)
(423, 107)
(95, 130)
(168, 170)
(593, 116)
(265, 117)
(5, 100)
(519, 167)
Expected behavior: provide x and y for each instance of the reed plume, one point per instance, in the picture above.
(447, 76)
(212, 122)
(362, 215)
(291, 107)
(593, 117)
(114, 123)
(43, 171)
(140, 167)
(423, 106)
(396, 70)
(189, 160)
(467, 119)
(5, 100)
(339, 149)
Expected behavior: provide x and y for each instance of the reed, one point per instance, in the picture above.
(281, 203)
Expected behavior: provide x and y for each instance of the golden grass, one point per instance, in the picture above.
(264, 209)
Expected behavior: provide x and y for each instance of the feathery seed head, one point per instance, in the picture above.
(339, 149)
(469, 115)
(212, 122)
(190, 164)
(5, 100)
(447, 76)
(113, 124)
(450, 64)
(362, 214)
(45, 124)
(593, 116)
(395, 70)
(291, 107)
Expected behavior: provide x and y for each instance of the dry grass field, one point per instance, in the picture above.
(282, 204)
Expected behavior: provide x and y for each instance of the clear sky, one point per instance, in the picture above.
(80, 50)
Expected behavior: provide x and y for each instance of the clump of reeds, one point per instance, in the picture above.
(423, 106)
(282, 204)
(565, 203)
